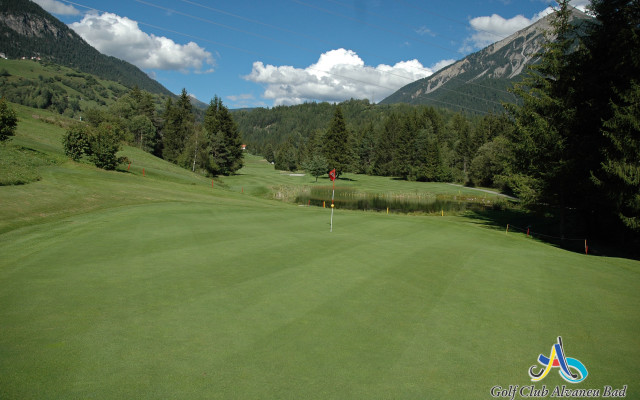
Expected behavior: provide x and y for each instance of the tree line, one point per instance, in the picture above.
(576, 137)
(211, 147)
(570, 145)
(419, 143)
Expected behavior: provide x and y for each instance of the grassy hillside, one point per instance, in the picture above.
(27, 30)
(57, 88)
(119, 285)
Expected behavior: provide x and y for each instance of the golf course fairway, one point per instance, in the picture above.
(115, 285)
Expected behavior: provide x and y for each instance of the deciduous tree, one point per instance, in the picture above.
(8, 121)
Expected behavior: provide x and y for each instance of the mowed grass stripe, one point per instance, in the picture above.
(204, 301)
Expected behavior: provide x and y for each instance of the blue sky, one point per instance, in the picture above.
(266, 53)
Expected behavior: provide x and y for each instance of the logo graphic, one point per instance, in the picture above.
(571, 370)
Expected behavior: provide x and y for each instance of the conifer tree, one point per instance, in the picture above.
(387, 146)
(611, 114)
(224, 140)
(366, 149)
(178, 127)
(337, 147)
(543, 124)
(622, 164)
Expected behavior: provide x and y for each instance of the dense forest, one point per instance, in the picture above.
(411, 142)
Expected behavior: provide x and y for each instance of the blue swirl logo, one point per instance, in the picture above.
(571, 369)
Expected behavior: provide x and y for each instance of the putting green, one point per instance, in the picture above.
(228, 298)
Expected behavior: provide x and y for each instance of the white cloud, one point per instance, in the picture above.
(423, 30)
(244, 100)
(337, 76)
(244, 96)
(56, 7)
(491, 29)
(122, 38)
(441, 64)
(580, 4)
(488, 30)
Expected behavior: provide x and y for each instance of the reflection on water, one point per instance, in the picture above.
(348, 198)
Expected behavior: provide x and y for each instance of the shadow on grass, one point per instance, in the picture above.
(345, 179)
(546, 228)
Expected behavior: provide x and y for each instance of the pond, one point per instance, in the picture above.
(348, 198)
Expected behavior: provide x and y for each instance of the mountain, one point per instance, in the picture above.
(26, 30)
(479, 82)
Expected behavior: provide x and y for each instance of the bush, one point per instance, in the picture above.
(105, 143)
(99, 144)
(8, 121)
(77, 142)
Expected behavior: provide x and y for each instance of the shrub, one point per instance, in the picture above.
(99, 144)
(8, 121)
(105, 143)
(77, 142)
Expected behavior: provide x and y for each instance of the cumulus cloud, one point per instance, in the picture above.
(239, 97)
(494, 28)
(338, 75)
(56, 7)
(122, 38)
(490, 29)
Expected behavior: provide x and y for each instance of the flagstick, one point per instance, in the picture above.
(333, 191)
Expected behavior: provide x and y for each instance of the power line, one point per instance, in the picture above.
(271, 56)
(315, 38)
(233, 47)
(424, 10)
(220, 25)
(308, 36)
(372, 25)
(438, 15)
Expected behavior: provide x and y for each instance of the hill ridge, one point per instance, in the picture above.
(479, 81)
(27, 30)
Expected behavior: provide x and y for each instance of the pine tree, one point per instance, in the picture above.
(286, 156)
(224, 140)
(178, 127)
(464, 144)
(612, 98)
(387, 146)
(366, 149)
(543, 124)
(403, 156)
(338, 148)
(621, 166)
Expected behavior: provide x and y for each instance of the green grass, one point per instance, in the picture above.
(38, 73)
(114, 285)
(259, 178)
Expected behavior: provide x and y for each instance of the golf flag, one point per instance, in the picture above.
(332, 176)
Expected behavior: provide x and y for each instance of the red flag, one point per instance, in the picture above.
(332, 174)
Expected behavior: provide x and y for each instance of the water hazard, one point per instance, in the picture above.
(348, 198)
